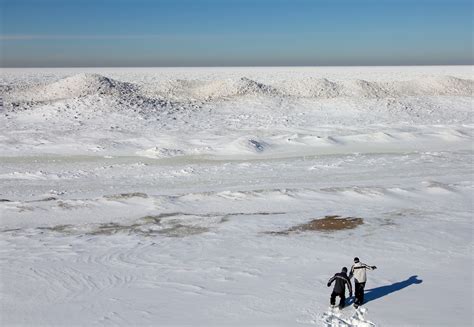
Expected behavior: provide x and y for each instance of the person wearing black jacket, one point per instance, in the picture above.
(341, 279)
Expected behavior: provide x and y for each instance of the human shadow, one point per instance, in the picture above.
(378, 292)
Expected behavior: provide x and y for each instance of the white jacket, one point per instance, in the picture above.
(358, 270)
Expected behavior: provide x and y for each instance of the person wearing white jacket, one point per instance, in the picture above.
(358, 271)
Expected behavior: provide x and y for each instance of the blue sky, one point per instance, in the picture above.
(36, 33)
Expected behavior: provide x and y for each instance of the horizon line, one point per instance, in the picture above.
(244, 66)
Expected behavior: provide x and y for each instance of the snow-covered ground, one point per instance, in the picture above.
(162, 196)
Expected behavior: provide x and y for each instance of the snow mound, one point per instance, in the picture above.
(441, 85)
(76, 86)
(217, 89)
(428, 86)
(366, 89)
(357, 88)
(246, 86)
(82, 92)
(88, 85)
(311, 87)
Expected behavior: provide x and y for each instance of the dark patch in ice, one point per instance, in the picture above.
(256, 145)
(172, 224)
(51, 198)
(326, 224)
(155, 225)
(167, 224)
(112, 228)
(387, 222)
(409, 212)
(153, 219)
(22, 208)
(58, 228)
(174, 214)
(122, 196)
(375, 190)
(11, 230)
(67, 206)
(259, 213)
(180, 230)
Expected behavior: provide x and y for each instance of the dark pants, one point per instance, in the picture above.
(342, 302)
(359, 293)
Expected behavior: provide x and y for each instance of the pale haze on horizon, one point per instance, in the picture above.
(54, 33)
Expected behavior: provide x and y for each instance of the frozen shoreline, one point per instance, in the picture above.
(216, 175)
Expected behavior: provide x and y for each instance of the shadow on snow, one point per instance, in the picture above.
(378, 292)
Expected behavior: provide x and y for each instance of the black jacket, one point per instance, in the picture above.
(341, 281)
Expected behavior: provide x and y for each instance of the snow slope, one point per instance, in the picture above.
(161, 196)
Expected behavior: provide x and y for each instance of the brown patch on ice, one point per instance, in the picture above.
(167, 224)
(170, 224)
(326, 224)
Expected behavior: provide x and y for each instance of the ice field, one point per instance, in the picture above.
(229, 196)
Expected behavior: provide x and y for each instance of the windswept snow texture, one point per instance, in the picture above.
(162, 196)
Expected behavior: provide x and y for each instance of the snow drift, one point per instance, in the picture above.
(87, 85)
(76, 86)
(217, 89)
(320, 88)
(82, 87)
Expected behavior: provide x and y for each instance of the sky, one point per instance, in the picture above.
(146, 33)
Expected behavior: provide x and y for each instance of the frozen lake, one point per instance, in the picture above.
(178, 196)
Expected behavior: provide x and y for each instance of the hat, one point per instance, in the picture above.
(356, 260)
